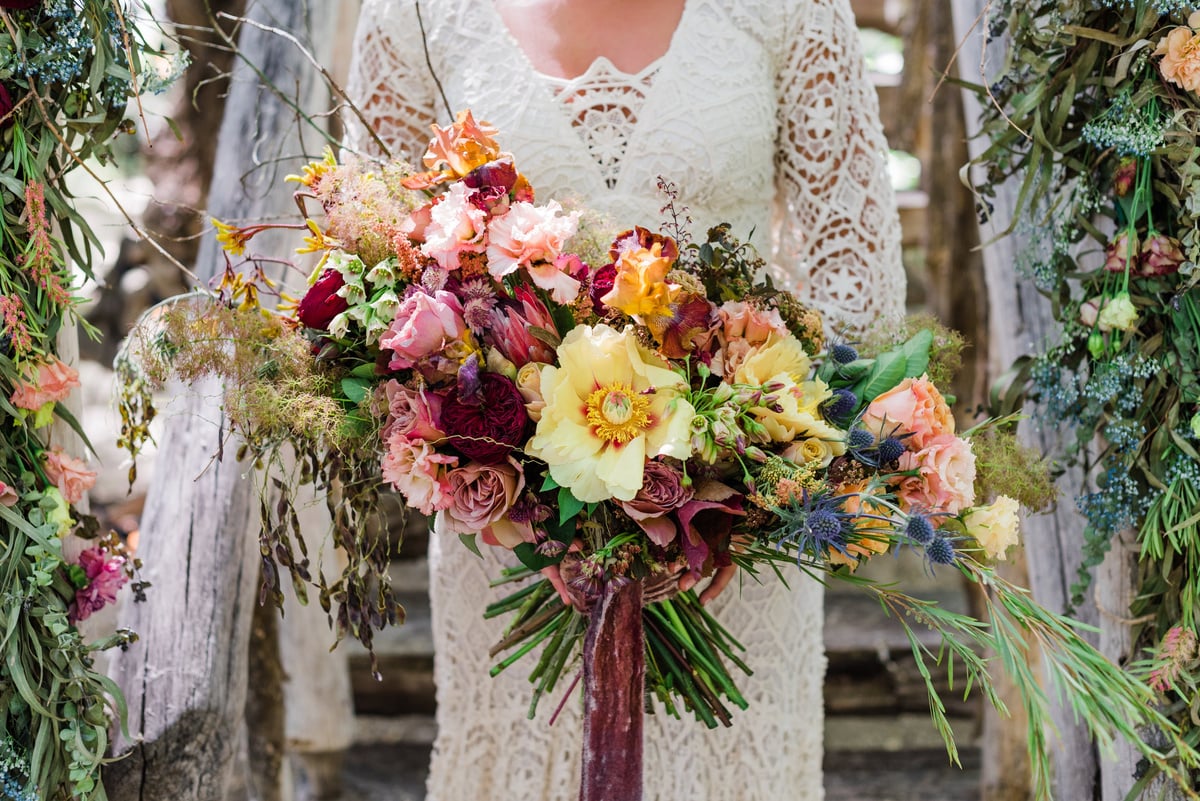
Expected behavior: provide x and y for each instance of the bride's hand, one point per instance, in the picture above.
(719, 582)
(555, 575)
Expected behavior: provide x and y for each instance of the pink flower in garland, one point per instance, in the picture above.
(8, 495)
(105, 576)
(69, 474)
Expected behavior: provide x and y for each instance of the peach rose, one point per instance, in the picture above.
(914, 407)
(8, 495)
(994, 527)
(746, 322)
(53, 382)
(69, 474)
(529, 382)
(1180, 51)
(480, 497)
(945, 480)
(418, 472)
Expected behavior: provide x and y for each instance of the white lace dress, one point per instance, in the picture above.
(760, 113)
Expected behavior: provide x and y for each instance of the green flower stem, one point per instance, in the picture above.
(551, 627)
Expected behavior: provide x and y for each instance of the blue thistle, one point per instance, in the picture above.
(843, 354)
(940, 551)
(841, 404)
(890, 450)
(859, 439)
(920, 529)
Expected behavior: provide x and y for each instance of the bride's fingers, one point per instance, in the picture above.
(556, 579)
(720, 580)
(687, 582)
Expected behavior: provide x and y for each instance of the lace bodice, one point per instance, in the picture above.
(760, 114)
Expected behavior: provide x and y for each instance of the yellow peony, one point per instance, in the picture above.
(611, 404)
(779, 354)
(994, 527)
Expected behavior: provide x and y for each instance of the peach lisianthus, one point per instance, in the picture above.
(42, 385)
(995, 527)
(611, 404)
(69, 474)
(945, 476)
(914, 407)
(1180, 51)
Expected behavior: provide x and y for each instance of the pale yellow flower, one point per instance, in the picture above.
(611, 404)
(778, 354)
(794, 413)
(994, 527)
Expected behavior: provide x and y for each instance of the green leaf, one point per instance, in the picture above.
(568, 505)
(888, 372)
(916, 354)
(355, 389)
(364, 370)
(469, 541)
(549, 483)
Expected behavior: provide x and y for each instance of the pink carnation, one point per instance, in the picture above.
(914, 407)
(945, 480)
(69, 474)
(480, 497)
(530, 235)
(456, 225)
(106, 576)
(424, 325)
(418, 472)
(412, 413)
(53, 382)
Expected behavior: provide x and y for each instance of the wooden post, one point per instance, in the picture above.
(614, 686)
(186, 679)
(1021, 319)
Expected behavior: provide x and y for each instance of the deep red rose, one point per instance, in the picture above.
(19, 5)
(6, 105)
(321, 303)
(489, 430)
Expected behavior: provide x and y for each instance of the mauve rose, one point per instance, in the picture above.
(424, 325)
(412, 413)
(69, 474)
(1161, 255)
(480, 497)
(488, 431)
(662, 492)
(322, 303)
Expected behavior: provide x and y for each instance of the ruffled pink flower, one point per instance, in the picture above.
(412, 413)
(456, 226)
(746, 322)
(914, 407)
(480, 497)
(1161, 255)
(8, 495)
(106, 575)
(424, 325)
(529, 235)
(51, 381)
(662, 492)
(418, 472)
(69, 474)
(945, 480)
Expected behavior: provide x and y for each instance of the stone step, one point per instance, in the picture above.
(397, 771)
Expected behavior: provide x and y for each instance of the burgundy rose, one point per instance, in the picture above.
(489, 430)
(662, 491)
(322, 303)
(1161, 255)
(19, 5)
(6, 106)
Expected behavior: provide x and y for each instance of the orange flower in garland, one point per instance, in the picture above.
(1180, 51)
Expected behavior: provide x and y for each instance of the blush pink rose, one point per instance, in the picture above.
(69, 474)
(424, 325)
(745, 322)
(914, 407)
(662, 492)
(413, 413)
(51, 381)
(945, 480)
(480, 497)
(418, 472)
(8, 495)
(456, 225)
(528, 234)
(106, 575)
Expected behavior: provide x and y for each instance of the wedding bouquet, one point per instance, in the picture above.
(627, 411)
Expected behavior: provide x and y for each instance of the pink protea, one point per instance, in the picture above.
(510, 329)
(105, 576)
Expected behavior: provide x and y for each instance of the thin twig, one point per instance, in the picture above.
(429, 61)
(133, 78)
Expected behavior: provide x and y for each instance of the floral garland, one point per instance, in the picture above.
(1096, 113)
(67, 69)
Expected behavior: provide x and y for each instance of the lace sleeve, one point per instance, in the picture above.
(837, 232)
(390, 82)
